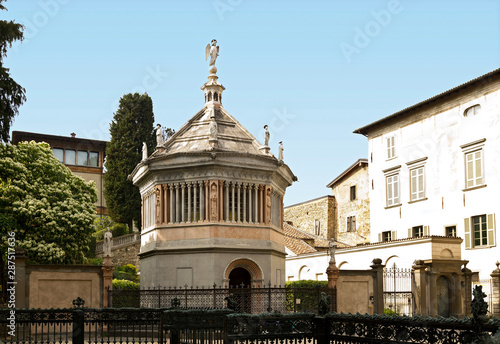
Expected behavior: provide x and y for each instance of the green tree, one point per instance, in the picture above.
(12, 95)
(133, 124)
(50, 210)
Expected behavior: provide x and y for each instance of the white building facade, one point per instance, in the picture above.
(434, 170)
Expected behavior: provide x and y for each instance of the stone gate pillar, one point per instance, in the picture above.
(467, 290)
(378, 286)
(107, 279)
(419, 288)
(495, 291)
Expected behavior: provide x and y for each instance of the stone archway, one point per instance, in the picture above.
(241, 275)
(256, 275)
(443, 296)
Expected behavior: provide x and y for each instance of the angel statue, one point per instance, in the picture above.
(213, 51)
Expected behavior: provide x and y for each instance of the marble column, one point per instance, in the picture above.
(238, 185)
(172, 203)
(177, 205)
(245, 202)
(226, 201)
(201, 185)
(189, 202)
(183, 214)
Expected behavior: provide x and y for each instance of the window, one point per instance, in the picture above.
(474, 168)
(391, 147)
(94, 159)
(479, 231)
(417, 184)
(450, 231)
(472, 111)
(387, 236)
(351, 223)
(70, 157)
(58, 153)
(392, 183)
(82, 158)
(418, 231)
(479, 228)
(353, 192)
(317, 227)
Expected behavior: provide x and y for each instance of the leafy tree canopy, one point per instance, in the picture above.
(133, 124)
(12, 95)
(51, 210)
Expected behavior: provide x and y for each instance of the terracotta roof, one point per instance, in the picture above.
(295, 241)
(481, 79)
(298, 246)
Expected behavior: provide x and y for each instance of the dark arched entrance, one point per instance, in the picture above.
(239, 277)
(239, 284)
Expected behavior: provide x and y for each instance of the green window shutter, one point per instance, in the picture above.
(467, 233)
(491, 229)
(379, 237)
(410, 234)
(393, 235)
(426, 230)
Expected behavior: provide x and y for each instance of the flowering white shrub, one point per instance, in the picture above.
(51, 210)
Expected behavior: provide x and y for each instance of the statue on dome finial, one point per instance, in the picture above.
(212, 50)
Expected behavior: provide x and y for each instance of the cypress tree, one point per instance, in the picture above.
(133, 124)
(12, 95)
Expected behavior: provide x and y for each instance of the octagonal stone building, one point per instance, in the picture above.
(212, 204)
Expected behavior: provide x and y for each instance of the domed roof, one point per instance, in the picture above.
(200, 133)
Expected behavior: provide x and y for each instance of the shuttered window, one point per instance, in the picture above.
(417, 189)
(479, 231)
(392, 190)
(474, 169)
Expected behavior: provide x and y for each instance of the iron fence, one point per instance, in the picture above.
(252, 300)
(81, 325)
(398, 296)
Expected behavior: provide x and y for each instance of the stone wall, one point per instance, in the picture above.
(304, 216)
(359, 207)
(125, 250)
(56, 286)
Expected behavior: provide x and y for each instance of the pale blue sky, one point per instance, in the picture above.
(313, 70)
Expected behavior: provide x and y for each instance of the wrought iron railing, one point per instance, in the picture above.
(398, 296)
(81, 325)
(176, 326)
(253, 300)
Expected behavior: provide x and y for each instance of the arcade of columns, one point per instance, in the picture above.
(212, 201)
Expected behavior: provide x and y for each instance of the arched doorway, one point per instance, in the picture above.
(443, 296)
(239, 277)
(240, 287)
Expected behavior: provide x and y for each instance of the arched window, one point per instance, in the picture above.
(472, 111)
(210, 96)
(216, 97)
